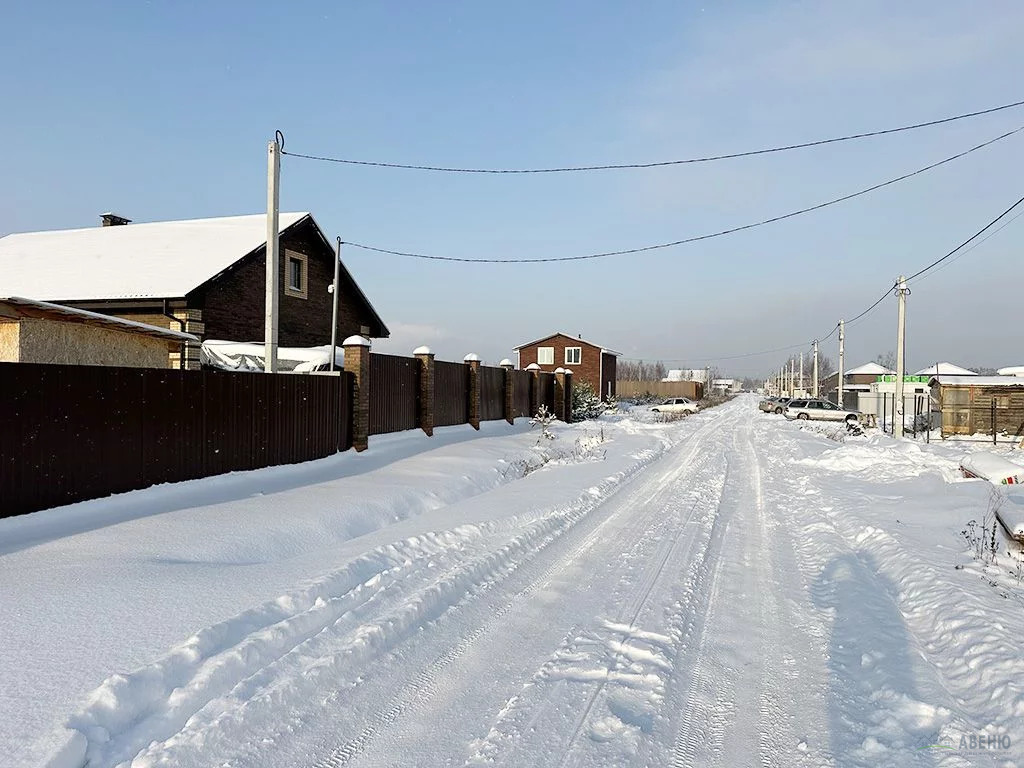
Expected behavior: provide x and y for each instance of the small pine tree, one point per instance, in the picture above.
(586, 404)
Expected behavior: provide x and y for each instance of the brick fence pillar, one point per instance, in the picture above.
(510, 395)
(534, 370)
(568, 396)
(560, 394)
(357, 362)
(426, 358)
(473, 361)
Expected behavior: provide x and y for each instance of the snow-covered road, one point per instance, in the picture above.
(729, 590)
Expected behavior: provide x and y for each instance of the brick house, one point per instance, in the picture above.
(205, 277)
(588, 362)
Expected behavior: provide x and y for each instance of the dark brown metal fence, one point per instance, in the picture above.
(394, 393)
(451, 393)
(521, 383)
(547, 391)
(492, 393)
(70, 433)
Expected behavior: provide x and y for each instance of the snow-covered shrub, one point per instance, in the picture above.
(543, 419)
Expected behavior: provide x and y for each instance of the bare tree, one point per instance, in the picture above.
(825, 367)
(887, 360)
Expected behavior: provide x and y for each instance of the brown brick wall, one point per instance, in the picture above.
(233, 304)
(588, 370)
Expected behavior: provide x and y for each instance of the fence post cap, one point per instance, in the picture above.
(506, 363)
(533, 367)
(471, 358)
(559, 370)
(424, 350)
(356, 341)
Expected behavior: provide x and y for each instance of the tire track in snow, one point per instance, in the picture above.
(423, 687)
(507, 736)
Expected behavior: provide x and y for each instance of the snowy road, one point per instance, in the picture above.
(727, 591)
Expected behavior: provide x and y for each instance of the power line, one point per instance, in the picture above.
(622, 166)
(967, 241)
(965, 251)
(696, 238)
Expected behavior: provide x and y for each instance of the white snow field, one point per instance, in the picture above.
(725, 590)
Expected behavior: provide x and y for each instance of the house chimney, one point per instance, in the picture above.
(113, 220)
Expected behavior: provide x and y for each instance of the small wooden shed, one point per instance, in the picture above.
(40, 332)
(984, 405)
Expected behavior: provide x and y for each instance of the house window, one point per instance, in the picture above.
(545, 355)
(572, 355)
(295, 275)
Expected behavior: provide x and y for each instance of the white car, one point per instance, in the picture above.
(819, 410)
(676, 405)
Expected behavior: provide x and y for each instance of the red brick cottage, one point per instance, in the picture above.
(202, 276)
(588, 362)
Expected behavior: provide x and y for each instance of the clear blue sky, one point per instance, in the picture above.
(162, 110)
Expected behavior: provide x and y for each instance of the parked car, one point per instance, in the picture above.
(676, 405)
(774, 404)
(819, 410)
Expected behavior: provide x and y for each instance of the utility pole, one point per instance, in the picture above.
(814, 379)
(842, 352)
(901, 330)
(792, 377)
(273, 259)
(334, 307)
(801, 384)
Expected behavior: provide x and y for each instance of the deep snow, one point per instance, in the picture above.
(729, 589)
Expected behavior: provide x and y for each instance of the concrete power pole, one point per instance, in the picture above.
(334, 307)
(842, 358)
(273, 259)
(814, 379)
(901, 330)
(801, 384)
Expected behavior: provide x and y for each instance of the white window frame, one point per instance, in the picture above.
(545, 352)
(303, 291)
(578, 356)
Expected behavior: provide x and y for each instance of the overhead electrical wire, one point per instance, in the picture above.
(967, 241)
(965, 251)
(888, 292)
(687, 240)
(659, 164)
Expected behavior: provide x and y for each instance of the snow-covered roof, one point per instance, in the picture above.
(22, 307)
(1013, 370)
(155, 260)
(568, 335)
(945, 369)
(978, 381)
(872, 369)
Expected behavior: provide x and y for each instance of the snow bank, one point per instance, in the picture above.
(882, 458)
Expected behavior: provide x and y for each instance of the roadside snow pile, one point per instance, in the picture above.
(881, 458)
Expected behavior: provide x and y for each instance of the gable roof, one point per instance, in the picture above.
(567, 335)
(19, 307)
(873, 369)
(160, 259)
(947, 369)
